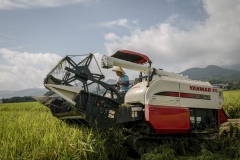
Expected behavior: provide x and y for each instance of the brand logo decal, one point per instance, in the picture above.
(203, 89)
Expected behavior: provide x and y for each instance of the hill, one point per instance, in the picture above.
(212, 72)
(40, 91)
(234, 66)
(22, 93)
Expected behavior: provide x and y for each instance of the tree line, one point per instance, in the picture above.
(18, 99)
(231, 85)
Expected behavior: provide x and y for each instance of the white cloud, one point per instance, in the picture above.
(119, 22)
(24, 70)
(214, 41)
(111, 36)
(23, 4)
(21, 70)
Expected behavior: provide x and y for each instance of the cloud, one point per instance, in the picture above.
(111, 37)
(20, 70)
(119, 22)
(26, 4)
(213, 41)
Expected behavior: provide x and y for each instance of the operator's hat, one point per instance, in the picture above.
(119, 69)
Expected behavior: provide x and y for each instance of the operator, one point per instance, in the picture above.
(122, 81)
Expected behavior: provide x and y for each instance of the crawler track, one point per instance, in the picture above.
(142, 143)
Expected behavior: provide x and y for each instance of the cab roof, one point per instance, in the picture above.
(131, 56)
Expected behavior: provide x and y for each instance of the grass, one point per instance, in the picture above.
(232, 103)
(29, 131)
(221, 148)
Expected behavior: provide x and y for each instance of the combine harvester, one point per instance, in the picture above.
(159, 104)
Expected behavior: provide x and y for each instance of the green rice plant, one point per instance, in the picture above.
(232, 103)
(163, 152)
(221, 148)
(24, 106)
(29, 131)
(116, 137)
(206, 154)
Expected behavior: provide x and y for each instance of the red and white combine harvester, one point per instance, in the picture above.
(160, 103)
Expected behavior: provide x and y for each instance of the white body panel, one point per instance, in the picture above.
(136, 94)
(215, 102)
(167, 91)
(162, 85)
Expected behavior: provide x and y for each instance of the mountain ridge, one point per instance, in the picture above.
(212, 72)
(22, 93)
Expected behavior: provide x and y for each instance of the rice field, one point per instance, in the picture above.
(232, 103)
(29, 131)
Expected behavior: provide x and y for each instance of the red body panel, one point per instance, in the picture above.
(222, 117)
(168, 120)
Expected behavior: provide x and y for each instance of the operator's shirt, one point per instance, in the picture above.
(123, 80)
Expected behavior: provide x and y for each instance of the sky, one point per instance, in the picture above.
(174, 34)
